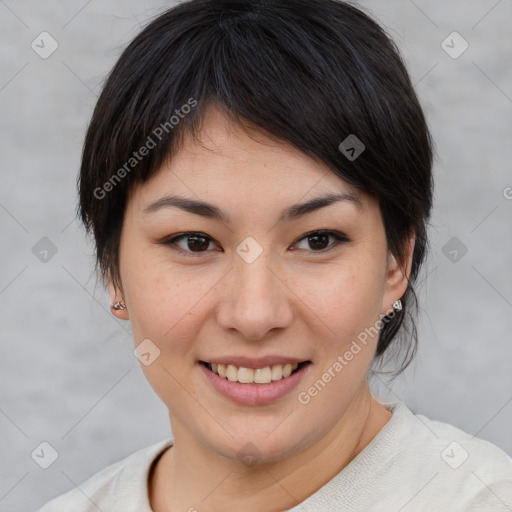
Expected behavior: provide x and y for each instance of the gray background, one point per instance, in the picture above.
(68, 374)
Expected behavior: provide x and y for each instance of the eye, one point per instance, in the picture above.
(195, 243)
(318, 240)
(192, 240)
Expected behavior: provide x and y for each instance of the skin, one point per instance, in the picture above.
(293, 300)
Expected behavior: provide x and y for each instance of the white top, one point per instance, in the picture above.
(413, 464)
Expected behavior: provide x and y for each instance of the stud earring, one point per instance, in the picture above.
(397, 305)
(118, 306)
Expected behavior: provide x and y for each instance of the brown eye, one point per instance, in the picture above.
(193, 243)
(318, 241)
(197, 243)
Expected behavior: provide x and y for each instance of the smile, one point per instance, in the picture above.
(240, 384)
(244, 375)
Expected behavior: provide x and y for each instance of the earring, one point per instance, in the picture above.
(118, 306)
(397, 305)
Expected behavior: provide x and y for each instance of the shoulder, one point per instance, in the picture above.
(121, 483)
(418, 464)
(454, 447)
(467, 472)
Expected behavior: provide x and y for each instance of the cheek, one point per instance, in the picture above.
(346, 298)
(163, 302)
(348, 305)
(164, 307)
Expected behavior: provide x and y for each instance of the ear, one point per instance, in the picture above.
(116, 296)
(396, 279)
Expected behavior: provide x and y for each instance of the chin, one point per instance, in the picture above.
(261, 444)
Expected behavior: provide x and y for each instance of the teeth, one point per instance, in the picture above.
(277, 372)
(262, 375)
(221, 370)
(250, 375)
(231, 373)
(245, 375)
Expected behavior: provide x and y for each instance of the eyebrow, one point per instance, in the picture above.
(291, 213)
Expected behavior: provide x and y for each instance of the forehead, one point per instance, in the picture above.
(228, 154)
(243, 170)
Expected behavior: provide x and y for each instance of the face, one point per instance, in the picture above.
(253, 283)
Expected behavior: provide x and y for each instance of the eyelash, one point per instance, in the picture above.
(338, 237)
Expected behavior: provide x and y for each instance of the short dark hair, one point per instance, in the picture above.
(308, 72)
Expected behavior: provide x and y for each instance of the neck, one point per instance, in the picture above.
(190, 475)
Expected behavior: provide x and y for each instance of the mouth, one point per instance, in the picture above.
(255, 386)
(265, 375)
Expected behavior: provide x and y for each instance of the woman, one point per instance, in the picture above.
(257, 178)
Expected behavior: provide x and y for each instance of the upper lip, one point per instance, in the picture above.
(254, 362)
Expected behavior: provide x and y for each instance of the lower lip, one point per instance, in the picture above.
(254, 394)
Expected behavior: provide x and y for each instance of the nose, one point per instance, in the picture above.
(256, 300)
